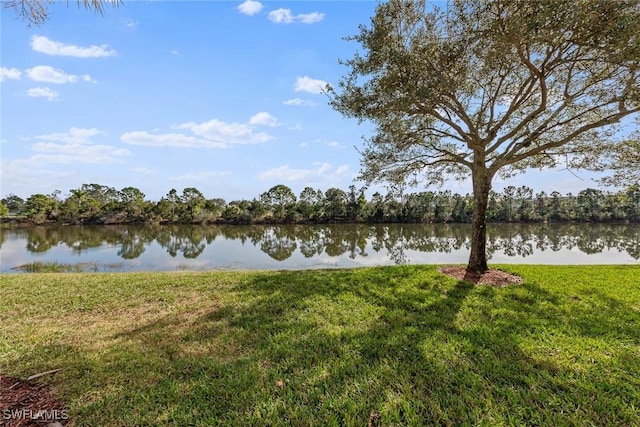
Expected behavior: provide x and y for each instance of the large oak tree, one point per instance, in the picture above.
(490, 87)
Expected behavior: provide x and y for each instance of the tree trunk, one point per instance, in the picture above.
(481, 186)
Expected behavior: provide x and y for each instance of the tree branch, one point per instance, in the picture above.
(514, 158)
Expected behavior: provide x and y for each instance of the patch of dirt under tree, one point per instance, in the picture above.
(497, 278)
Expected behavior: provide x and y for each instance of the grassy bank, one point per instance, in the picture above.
(390, 346)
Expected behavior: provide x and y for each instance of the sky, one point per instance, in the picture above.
(223, 96)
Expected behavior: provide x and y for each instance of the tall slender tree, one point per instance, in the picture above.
(488, 87)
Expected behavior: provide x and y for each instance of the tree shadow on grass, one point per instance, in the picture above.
(385, 346)
(424, 351)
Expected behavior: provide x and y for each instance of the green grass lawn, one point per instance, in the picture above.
(386, 346)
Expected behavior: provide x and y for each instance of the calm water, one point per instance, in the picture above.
(166, 248)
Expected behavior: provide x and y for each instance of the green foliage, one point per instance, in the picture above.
(623, 161)
(56, 267)
(131, 202)
(14, 203)
(513, 204)
(193, 204)
(40, 208)
(169, 207)
(335, 204)
(215, 207)
(310, 204)
(279, 200)
(80, 207)
(632, 202)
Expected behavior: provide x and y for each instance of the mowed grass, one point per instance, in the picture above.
(376, 346)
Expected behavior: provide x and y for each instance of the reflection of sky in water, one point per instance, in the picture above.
(232, 254)
(566, 256)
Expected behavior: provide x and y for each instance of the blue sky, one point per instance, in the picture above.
(223, 96)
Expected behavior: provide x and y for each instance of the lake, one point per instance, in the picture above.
(213, 247)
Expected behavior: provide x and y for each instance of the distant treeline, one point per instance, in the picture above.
(100, 204)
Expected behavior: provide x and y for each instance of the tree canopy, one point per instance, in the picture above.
(486, 88)
(101, 204)
(624, 162)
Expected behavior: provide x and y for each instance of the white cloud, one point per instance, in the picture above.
(334, 144)
(167, 140)
(310, 18)
(73, 147)
(73, 136)
(174, 52)
(9, 73)
(43, 92)
(285, 16)
(281, 16)
(48, 74)
(307, 84)
(28, 176)
(226, 133)
(264, 119)
(299, 102)
(129, 23)
(297, 126)
(69, 154)
(141, 170)
(199, 176)
(44, 45)
(323, 172)
(210, 134)
(250, 7)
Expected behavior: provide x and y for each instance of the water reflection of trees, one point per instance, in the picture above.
(282, 241)
(190, 241)
(278, 242)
